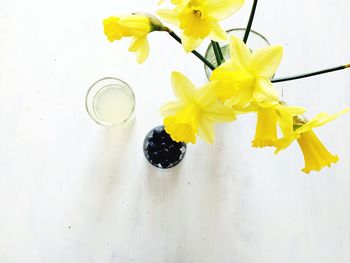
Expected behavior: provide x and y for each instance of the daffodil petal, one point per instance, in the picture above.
(285, 114)
(320, 119)
(249, 109)
(180, 3)
(206, 130)
(190, 43)
(217, 33)
(169, 16)
(293, 110)
(240, 52)
(170, 108)
(221, 9)
(143, 52)
(241, 98)
(264, 91)
(183, 88)
(266, 61)
(225, 70)
(283, 143)
(285, 122)
(207, 95)
(136, 44)
(219, 113)
(141, 47)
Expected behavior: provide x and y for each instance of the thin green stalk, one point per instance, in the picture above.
(194, 52)
(306, 75)
(250, 21)
(217, 51)
(220, 52)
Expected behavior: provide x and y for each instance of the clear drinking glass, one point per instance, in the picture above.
(110, 102)
(255, 41)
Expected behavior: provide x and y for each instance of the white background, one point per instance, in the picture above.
(75, 192)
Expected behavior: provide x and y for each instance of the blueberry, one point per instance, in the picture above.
(165, 163)
(166, 135)
(171, 147)
(175, 154)
(155, 156)
(157, 136)
(173, 158)
(166, 153)
(152, 146)
(178, 145)
(163, 145)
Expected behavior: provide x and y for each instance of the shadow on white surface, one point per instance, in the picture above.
(107, 164)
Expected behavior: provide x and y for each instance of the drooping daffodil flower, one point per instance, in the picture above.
(245, 77)
(199, 19)
(136, 26)
(195, 111)
(271, 115)
(316, 156)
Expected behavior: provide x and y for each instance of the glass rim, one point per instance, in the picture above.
(94, 85)
(251, 31)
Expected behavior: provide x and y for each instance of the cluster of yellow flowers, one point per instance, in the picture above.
(240, 85)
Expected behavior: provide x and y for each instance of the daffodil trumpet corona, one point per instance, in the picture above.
(270, 116)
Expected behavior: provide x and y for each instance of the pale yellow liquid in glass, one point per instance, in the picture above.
(113, 104)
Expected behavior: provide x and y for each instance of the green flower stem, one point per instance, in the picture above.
(198, 55)
(250, 21)
(306, 75)
(217, 51)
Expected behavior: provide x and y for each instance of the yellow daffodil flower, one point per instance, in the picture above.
(174, 2)
(267, 120)
(195, 111)
(245, 78)
(198, 19)
(316, 156)
(137, 26)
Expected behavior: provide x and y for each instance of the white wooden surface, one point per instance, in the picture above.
(74, 192)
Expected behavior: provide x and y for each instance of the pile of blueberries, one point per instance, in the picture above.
(161, 151)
